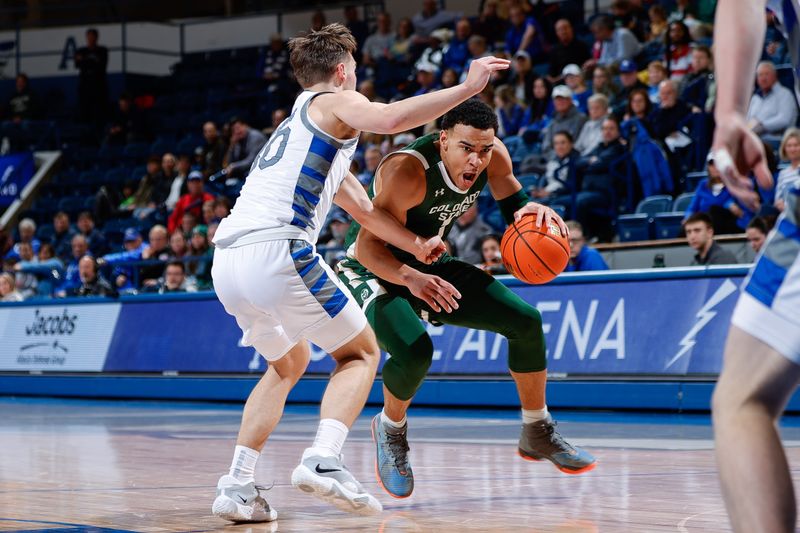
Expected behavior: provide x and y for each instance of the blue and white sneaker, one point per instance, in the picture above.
(392, 467)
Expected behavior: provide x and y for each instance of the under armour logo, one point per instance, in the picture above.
(439, 192)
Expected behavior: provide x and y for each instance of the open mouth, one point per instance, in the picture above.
(469, 177)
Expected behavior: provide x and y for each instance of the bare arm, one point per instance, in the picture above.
(352, 198)
(355, 110)
(402, 186)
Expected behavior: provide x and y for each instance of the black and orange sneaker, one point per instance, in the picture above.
(540, 440)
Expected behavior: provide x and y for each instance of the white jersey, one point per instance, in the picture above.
(291, 185)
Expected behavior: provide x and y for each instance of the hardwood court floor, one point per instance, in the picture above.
(68, 465)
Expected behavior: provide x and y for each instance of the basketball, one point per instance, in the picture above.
(534, 255)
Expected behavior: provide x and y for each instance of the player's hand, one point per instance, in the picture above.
(736, 152)
(434, 291)
(480, 70)
(543, 214)
(430, 250)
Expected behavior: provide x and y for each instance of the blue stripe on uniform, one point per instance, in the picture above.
(335, 303)
(309, 196)
(322, 149)
(306, 269)
(319, 284)
(311, 173)
(789, 230)
(765, 281)
(302, 253)
(297, 221)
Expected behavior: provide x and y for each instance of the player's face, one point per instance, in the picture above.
(466, 152)
(350, 80)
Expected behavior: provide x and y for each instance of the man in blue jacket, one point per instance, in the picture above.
(582, 258)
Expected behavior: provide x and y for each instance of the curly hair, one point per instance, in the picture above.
(473, 113)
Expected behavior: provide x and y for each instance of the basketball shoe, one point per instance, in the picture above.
(391, 460)
(540, 440)
(241, 502)
(329, 480)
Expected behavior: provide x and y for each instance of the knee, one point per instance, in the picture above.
(526, 323)
(405, 371)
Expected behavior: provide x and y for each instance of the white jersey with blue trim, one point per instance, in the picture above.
(788, 14)
(291, 185)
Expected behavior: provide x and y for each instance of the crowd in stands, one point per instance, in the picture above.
(597, 114)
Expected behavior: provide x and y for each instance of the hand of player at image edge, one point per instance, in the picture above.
(434, 291)
(736, 151)
(430, 249)
(543, 214)
(481, 70)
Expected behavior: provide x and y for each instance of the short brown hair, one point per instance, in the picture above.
(699, 217)
(314, 56)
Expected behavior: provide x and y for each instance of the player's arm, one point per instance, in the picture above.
(514, 203)
(738, 39)
(401, 185)
(355, 110)
(352, 198)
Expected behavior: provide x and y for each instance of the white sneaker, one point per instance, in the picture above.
(329, 480)
(241, 502)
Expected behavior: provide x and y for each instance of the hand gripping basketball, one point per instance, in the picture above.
(535, 253)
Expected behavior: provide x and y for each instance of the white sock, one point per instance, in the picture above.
(330, 438)
(533, 415)
(243, 466)
(391, 423)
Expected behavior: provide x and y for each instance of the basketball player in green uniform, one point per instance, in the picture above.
(427, 186)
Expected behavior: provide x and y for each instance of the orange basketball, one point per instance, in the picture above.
(534, 255)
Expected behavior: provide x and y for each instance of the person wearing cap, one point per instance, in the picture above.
(338, 225)
(628, 76)
(124, 274)
(431, 18)
(426, 78)
(568, 50)
(566, 117)
(525, 34)
(434, 53)
(191, 201)
(573, 78)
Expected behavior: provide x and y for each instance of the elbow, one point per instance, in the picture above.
(391, 122)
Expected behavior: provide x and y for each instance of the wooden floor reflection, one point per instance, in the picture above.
(112, 466)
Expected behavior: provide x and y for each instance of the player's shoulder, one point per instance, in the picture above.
(406, 164)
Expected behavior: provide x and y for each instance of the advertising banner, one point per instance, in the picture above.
(15, 172)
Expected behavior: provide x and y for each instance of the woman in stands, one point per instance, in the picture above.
(789, 177)
(602, 83)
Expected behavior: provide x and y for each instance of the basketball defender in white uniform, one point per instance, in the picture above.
(268, 274)
(762, 355)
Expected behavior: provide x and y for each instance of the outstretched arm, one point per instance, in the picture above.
(355, 110)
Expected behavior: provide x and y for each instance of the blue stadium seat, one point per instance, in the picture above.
(161, 147)
(136, 152)
(72, 204)
(667, 225)
(45, 232)
(137, 173)
(529, 180)
(116, 176)
(682, 202)
(109, 154)
(693, 179)
(633, 227)
(560, 210)
(187, 146)
(651, 205)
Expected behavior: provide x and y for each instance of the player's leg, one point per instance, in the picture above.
(487, 304)
(755, 384)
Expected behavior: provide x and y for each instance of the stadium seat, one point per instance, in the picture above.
(651, 205)
(136, 152)
(693, 179)
(161, 147)
(72, 204)
(682, 202)
(45, 232)
(633, 227)
(528, 180)
(116, 176)
(667, 225)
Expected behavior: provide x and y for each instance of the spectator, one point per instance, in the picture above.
(556, 186)
(72, 280)
(615, 44)
(457, 53)
(27, 233)
(679, 57)
(597, 184)
(658, 22)
(152, 191)
(92, 283)
(582, 257)
(639, 108)
(789, 177)
(200, 249)
(756, 232)
(477, 49)
(372, 158)
(694, 88)
(156, 249)
(449, 78)
(62, 235)
(434, 54)
(712, 197)
(431, 18)
(567, 51)
(177, 246)
(178, 186)
(24, 103)
(91, 60)
(26, 282)
(573, 78)
(566, 118)
(509, 112)
(667, 118)
(772, 107)
(629, 77)
(98, 245)
(377, 44)
(174, 280)
(48, 269)
(656, 73)
(246, 142)
(592, 131)
(8, 289)
(208, 212)
(222, 207)
(522, 77)
(426, 78)
(602, 83)
(489, 25)
(629, 15)
(466, 235)
(492, 258)
(213, 149)
(191, 201)
(525, 34)
(775, 48)
(357, 27)
(188, 223)
(125, 274)
(275, 70)
(700, 236)
(400, 47)
(541, 108)
(127, 123)
(338, 225)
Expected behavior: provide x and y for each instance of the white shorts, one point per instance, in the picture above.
(281, 292)
(769, 308)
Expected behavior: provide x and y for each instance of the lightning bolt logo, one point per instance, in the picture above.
(704, 316)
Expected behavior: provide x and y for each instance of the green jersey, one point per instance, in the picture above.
(444, 202)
